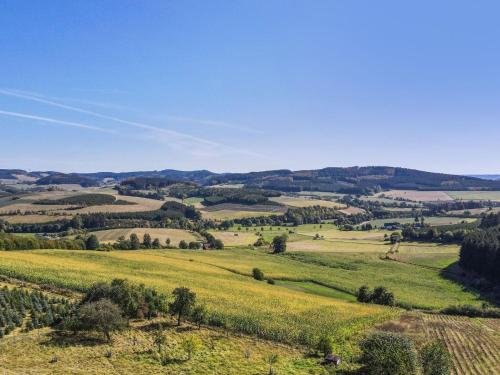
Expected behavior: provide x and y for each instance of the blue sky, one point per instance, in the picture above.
(249, 85)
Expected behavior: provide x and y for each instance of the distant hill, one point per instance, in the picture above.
(72, 178)
(351, 180)
(493, 177)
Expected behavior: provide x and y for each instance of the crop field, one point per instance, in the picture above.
(474, 343)
(235, 238)
(431, 220)
(133, 352)
(247, 305)
(417, 195)
(305, 202)
(175, 235)
(35, 218)
(475, 195)
(227, 211)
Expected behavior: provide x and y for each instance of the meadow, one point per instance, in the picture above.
(475, 195)
(175, 235)
(305, 202)
(133, 351)
(431, 220)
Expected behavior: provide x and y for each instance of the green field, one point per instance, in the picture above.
(175, 235)
(475, 195)
(432, 220)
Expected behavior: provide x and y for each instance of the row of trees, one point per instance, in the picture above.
(13, 242)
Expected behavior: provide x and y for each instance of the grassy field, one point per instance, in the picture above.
(235, 238)
(417, 195)
(474, 343)
(475, 195)
(432, 220)
(133, 352)
(175, 235)
(228, 211)
(417, 286)
(305, 202)
(247, 305)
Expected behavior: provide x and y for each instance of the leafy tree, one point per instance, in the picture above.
(167, 242)
(92, 243)
(191, 345)
(279, 244)
(183, 244)
(364, 294)
(183, 303)
(194, 245)
(199, 315)
(382, 296)
(258, 274)
(156, 243)
(135, 244)
(435, 359)
(103, 316)
(146, 241)
(385, 353)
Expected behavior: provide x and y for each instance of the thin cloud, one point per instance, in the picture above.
(214, 123)
(40, 99)
(55, 121)
(182, 137)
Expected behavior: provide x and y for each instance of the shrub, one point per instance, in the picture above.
(194, 245)
(279, 244)
(364, 294)
(92, 243)
(258, 274)
(324, 345)
(435, 359)
(191, 345)
(183, 244)
(380, 296)
(199, 315)
(386, 353)
(135, 301)
(472, 311)
(271, 281)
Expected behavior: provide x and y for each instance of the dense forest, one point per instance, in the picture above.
(480, 251)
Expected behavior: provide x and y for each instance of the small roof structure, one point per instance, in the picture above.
(332, 359)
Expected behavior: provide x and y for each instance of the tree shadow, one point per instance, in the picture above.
(472, 283)
(65, 339)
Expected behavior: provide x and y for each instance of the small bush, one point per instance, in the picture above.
(271, 281)
(258, 274)
(386, 353)
(435, 359)
(324, 345)
(472, 311)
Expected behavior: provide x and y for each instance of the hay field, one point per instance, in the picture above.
(35, 218)
(175, 235)
(432, 220)
(249, 306)
(416, 195)
(305, 202)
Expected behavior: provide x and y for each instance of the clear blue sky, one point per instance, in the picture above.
(249, 85)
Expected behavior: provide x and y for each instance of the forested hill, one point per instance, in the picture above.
(351, 180)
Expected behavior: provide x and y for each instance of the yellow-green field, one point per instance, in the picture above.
(250, 306)
(175, 235)
(305, 202)
(230, 238)
(475, 195)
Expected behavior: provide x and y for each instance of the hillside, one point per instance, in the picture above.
(351, 180)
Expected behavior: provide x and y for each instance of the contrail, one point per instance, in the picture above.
(111, 118)
(55, 121)
(50, 101)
